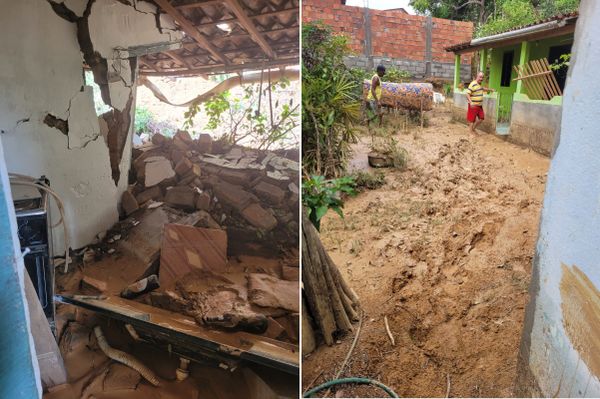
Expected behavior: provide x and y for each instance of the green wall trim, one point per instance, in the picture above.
(523, 98)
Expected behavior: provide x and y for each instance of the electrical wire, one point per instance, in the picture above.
(24, 180)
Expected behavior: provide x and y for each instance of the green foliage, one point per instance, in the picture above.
(368, 181)
(330, 101)
(319, 195)
(563, 62)
(513, 13)
(241, 117)
(146, 122)
(496, 16)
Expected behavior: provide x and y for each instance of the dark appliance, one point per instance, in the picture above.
(33, 223)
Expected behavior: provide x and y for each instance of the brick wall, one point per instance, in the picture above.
(396, 37)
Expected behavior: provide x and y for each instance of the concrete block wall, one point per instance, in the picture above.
(394, 36)
(443, 70)
(535, 125)
(459, 112)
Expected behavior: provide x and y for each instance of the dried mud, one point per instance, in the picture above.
(444, 250)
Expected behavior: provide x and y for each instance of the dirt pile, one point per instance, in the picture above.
(444, 250)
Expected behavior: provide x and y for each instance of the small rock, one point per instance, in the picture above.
(111, 251)
(129, 203)
(117, 237)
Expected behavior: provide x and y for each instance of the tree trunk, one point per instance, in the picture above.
(330, 302)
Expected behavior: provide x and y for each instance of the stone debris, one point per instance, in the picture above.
(129, 203)
(195, 208)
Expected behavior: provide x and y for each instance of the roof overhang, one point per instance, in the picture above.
(554, 28)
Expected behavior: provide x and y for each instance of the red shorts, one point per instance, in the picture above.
(475, 111)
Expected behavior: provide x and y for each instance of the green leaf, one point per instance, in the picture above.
(321, 211)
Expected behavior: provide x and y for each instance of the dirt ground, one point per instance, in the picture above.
(444, 250)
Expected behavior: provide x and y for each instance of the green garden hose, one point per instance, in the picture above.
(351, 380)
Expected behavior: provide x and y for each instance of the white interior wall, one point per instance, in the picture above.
(41, 73)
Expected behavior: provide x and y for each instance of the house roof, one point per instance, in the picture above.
(224, 36)
(549, 27)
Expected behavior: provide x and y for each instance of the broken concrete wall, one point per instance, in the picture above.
(48, 123)
(459, 111)
(534, 125)
(560, 349)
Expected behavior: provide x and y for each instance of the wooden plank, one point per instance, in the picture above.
(543, 80)
(553, 77)
(198, 4)
(216, 69)
(178, 59)
(191, 30)
(229, 20)
(248, 24)
(535, 74)
(50, 361)
(539, 89)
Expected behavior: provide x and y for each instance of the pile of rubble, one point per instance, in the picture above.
(216, 228)
(237, 186)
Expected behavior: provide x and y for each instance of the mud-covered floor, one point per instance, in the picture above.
(444, 250)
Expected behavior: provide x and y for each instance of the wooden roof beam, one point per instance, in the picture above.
(219, 69)
(246, 22)
(178, 59)
(230, 20)
(191, 30)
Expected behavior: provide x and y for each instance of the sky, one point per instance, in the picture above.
(382, 4)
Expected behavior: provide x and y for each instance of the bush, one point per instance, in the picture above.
(320, 195)
(145, 122)
(368, 181)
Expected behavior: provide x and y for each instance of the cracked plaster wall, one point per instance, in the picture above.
(41, 73)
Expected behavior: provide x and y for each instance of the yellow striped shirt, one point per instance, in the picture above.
(476, 92)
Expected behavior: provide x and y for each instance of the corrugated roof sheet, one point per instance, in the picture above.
(559, 17)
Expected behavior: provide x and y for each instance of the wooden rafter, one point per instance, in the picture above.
(213, 69)
(230, 20)
(198, 4)
(248, 24)
(179, 59)
(191, 30)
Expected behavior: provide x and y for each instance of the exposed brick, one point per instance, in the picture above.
(231, 194)
(181, 197)
(269, 192)
(153, 193)
(257, 216)
(183, 167)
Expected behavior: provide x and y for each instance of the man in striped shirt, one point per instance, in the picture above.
(475, 91)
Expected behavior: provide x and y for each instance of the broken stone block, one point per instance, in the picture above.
(270, 292)
(185, 249)
(186, 180)
(95, 284)
(205, 143)
(235, 176)
(153, 193)
(181, 197)
(206, 221)
(157, 170)
(158, 139)
(176, 155)
(230, 194)
(269, 192)
(184, 136)
(183, 167)
(203, 201)
(129, 203)
(290, 273)
(257, 216)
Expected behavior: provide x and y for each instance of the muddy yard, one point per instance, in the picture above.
(444, 250)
